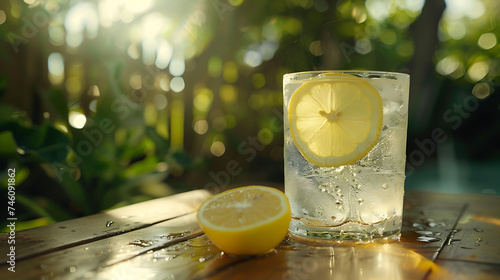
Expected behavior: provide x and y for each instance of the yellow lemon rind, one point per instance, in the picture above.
(332, 161)
(254, 239)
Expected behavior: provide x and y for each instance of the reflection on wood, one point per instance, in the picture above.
(444, 237)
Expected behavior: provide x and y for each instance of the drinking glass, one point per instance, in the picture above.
(358, 200)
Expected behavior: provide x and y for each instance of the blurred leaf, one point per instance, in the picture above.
(21, 174)
(22, 225)
(162, 145)
(41, 142)
(142, 167)
(8, 146)
(56, 100)
(73, 189)
(32, 206)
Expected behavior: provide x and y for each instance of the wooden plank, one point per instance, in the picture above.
(477, 236)
(390, 261)
(85, 260)
(465, 270)
(69, 233)
(429, 220)
(176, 248)
(179, 261)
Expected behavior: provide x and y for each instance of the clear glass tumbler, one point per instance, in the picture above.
(345, 150)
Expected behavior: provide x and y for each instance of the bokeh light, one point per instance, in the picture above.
(487, 41)
(218, 148)
(3, 17)
(77, 119)
(185, 83)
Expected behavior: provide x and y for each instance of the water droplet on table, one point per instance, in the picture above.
(419, 226)
(437, 224)
(425, 232)
(478, 240)
(428, 239)
(451, 240)
(141, 243)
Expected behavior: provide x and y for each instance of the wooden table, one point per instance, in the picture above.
(445, 236)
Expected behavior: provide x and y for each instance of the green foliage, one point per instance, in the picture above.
(232, 56)
(85, 170)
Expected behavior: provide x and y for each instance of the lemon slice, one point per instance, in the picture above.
(246, 221)
(335, 122)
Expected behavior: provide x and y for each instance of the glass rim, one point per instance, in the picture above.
(364, 72)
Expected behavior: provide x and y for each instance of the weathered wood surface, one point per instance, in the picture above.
(445, 236)
(96, 227)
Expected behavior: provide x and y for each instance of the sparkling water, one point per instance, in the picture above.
(359, 200)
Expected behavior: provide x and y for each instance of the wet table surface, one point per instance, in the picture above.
(445, 236)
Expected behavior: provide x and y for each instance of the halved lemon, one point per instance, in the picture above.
(246, 221)
(335, 121)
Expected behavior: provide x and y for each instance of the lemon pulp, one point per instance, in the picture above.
(335, 122)
(248, 220)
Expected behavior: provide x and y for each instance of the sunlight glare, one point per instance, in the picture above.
(379, 10)
(81, 17)
(177, 66)
(153, 25)
(56, 64)
(478, 71)
(487, 41)
(108, 12)
(160, 101)
(412, 5)
(138, 6)
(77, 119)
(164, 54)
(456, 9)
(3, 17)
(252, 58)
(218, 148)
(177, 84)
(200, 127)
(447, 65)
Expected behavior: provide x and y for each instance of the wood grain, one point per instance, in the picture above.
(91, 228)
(445, 236)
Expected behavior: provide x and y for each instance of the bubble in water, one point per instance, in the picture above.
(360, 201)
(109, 223)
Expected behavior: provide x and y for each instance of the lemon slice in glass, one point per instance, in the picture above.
(335, 121)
